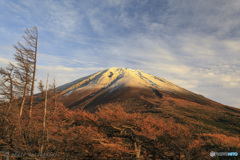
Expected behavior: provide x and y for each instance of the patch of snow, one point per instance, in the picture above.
(116, 87)
(115, 78)
(68, 93)
(92, 94)
(151, 82)
(142, 77)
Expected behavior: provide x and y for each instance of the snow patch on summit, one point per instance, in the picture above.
(113, 79)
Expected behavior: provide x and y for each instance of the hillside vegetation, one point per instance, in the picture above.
(110, 133)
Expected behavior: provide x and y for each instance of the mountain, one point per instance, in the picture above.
(137, 91)
(125, 86)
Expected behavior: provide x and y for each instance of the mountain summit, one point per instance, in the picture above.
(133, 89)
(116, 78)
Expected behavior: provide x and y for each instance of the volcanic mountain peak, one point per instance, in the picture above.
(125, 86)
(121, 77)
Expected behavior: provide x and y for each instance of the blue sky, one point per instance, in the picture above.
(194, 44)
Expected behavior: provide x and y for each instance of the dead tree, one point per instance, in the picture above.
(41, 88)
(45, 107)
(32, 40)
(26, 60)
(44, 117)
(128, 133)
(53, 98)
(54, 93)
(7, 84)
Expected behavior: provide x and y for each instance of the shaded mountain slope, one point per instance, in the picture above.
(123, 85)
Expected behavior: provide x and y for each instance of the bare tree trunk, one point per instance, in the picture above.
(137, 150)
(34, 73)
(23, 100)
(54, 98)
(11, 92)
(45, 106)
(44, 115)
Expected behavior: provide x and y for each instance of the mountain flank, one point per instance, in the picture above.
(125, 86)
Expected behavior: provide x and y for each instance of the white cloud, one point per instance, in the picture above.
(3, 62)
(64, 74)
(218, 18)
(233, 45)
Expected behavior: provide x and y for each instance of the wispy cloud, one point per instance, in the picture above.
(64, 74)
(3, 62)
